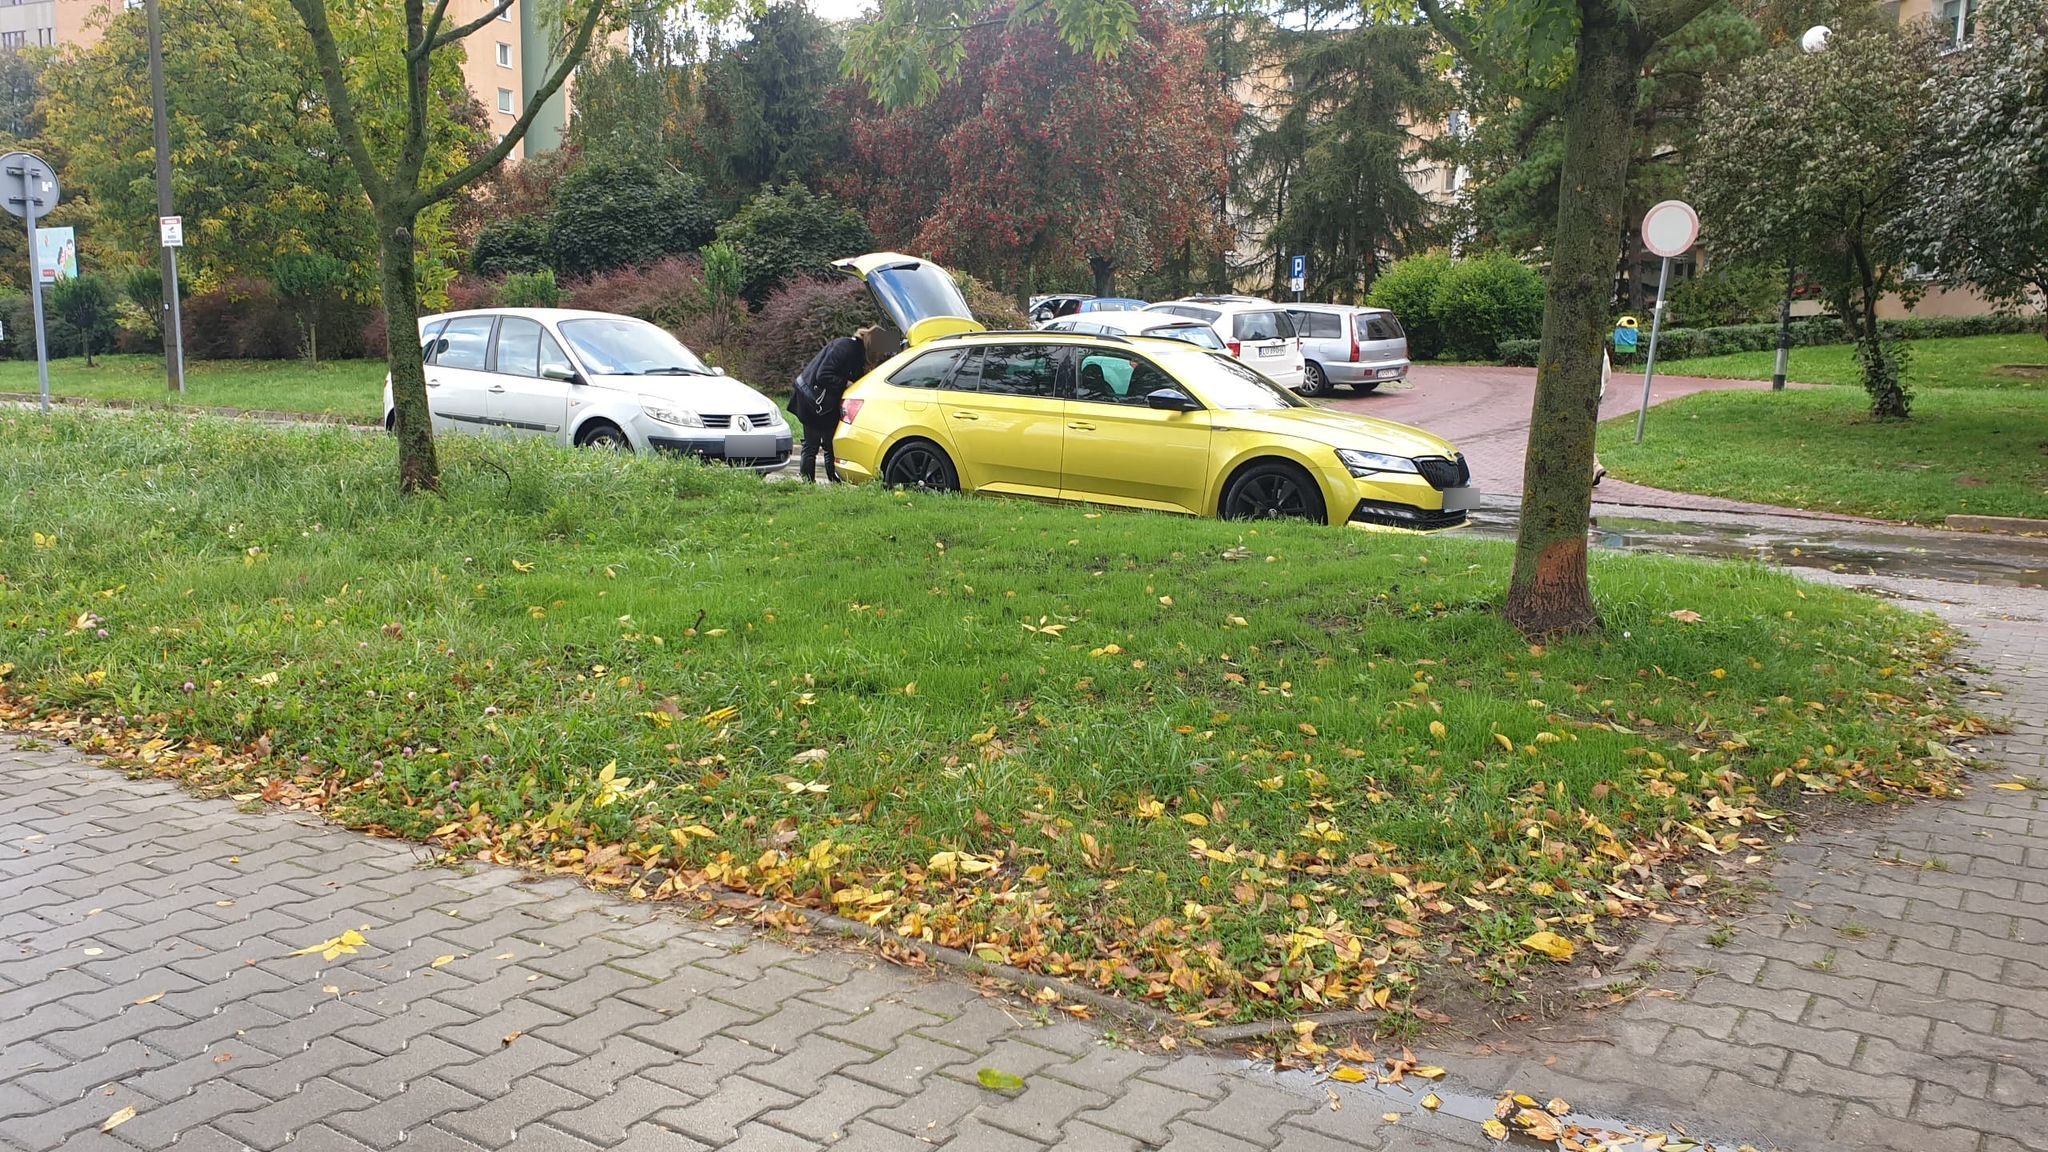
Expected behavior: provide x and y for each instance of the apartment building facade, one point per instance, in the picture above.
(507, 59)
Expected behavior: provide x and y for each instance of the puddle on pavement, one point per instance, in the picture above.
(1460, 1115)
(1857, 549)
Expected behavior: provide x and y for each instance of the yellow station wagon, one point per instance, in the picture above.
(1129, 421)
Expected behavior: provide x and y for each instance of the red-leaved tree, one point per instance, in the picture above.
(1038, 157)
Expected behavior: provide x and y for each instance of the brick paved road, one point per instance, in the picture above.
(1892, 994)
(1485, 412)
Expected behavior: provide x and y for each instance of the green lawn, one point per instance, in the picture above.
(1977, 442)
(1961, 362)
(350, 388)
(1240, 771)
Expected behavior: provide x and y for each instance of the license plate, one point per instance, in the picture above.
(1389, 373)
(749, 447)
(1461, 499)
(1274, 350)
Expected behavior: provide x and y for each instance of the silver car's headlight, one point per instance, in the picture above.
(1363, 463)
(660, 409)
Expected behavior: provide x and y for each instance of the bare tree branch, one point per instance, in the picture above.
(579, 46)
(419, 80)
(340, 107)
(434, 19)
(462, 31)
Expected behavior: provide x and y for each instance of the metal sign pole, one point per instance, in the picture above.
(35, 287)
(174, 333)
(1650, 357)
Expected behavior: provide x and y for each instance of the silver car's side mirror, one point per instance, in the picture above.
(718, 371)
(560, 372)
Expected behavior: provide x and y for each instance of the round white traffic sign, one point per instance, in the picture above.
(1670, 228)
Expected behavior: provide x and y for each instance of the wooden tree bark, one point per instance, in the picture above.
(1549, 591)
(419, 465)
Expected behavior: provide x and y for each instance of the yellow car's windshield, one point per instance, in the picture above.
(1225, 383)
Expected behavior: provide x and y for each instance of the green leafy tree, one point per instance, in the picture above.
(1485, 300)
(309, 283)
(786, 232)
(639, 96)
(1332, 171)
(144, 288)
(406, 167)
(86, 303)
(21, 95)
(768, 112)
(1977, 209)
(1810, 155)
(255, 174)
(618, 213)
(1595, 52)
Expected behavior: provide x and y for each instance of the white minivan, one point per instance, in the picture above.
(591, 379)
(1258, 332)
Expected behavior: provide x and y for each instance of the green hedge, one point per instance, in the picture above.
(1684, 343)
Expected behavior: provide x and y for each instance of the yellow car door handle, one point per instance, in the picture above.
(965, 416)
(1081, 427)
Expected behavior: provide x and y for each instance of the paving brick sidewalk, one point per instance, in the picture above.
(1891, 995)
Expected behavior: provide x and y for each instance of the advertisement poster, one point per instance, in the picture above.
(57, 254)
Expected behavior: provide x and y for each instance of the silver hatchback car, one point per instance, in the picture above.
(1342, 344)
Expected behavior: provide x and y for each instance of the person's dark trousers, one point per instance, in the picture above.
(818, 438)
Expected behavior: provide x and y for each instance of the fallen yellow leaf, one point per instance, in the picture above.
(1552, 945)
(1437, 729)
(1427, 1072)
(2010, 786)
(521, 566)
(1391, 1117)
(1495, 1130)
(1348, 1075)
(1504, 742)
(442, 960)
(1432, 1102)
(152, 998)
(118, 1119)
(347, 942)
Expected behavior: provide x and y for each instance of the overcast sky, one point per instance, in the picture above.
(838, 9)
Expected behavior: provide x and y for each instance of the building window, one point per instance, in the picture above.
(504, 55)
(506, 15)
(1958, 21)
(13, 40)
(505, 101)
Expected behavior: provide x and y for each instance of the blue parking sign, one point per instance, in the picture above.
(1299, 268)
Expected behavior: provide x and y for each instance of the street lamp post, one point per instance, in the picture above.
(174, 334)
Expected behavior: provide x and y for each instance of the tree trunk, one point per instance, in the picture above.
(313, 337)
(419, 469)
(1549, 591)
(1104, 269)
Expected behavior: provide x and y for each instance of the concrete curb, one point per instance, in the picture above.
(2004, 525)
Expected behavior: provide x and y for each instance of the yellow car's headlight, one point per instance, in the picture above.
(1363, 463)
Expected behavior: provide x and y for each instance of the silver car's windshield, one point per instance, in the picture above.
(1229, 384)
(622, 346)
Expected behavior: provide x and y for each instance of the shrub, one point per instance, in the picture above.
(796, 321)
(1724, 295)
(530, 290)
(245, 320)
(724, 274)
(513, 244)
(1685, 343)
(86, 303)
(996, 309)
(786, 232)
(1485, 300)
(614, 213)
(1408, 289)
(668, 292)
(466, 292)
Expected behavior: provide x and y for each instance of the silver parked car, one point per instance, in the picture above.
(1361, 347)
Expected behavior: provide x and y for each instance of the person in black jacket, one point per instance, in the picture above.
(820, 388)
